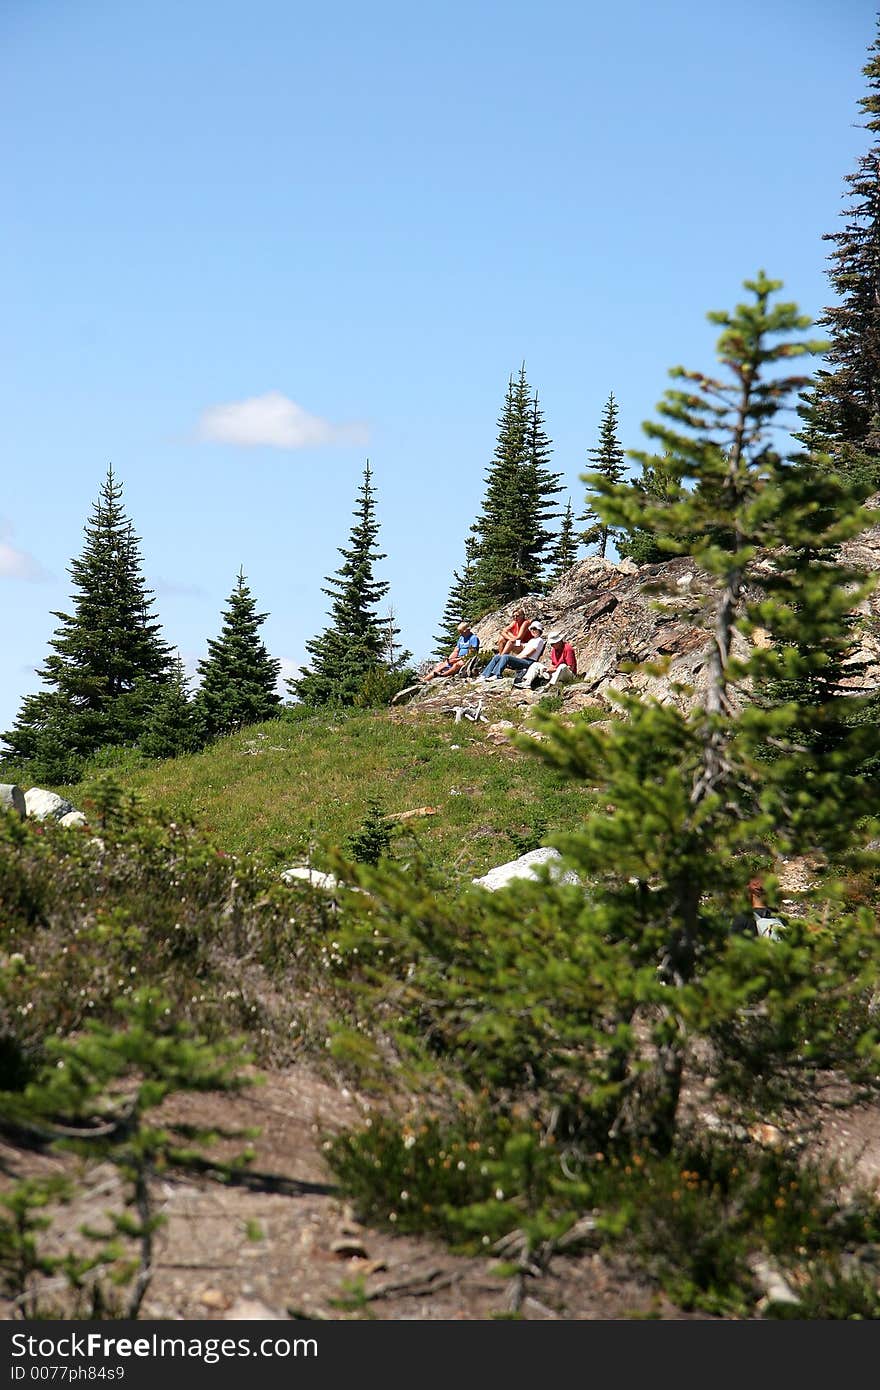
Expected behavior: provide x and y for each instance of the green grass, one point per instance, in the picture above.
(299, 786)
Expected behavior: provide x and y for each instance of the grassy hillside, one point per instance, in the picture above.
(484, 1029)
(295, 787)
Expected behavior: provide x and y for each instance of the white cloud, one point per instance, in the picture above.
(275, 420)
(190, 668)
(290, 670)
(15, 563)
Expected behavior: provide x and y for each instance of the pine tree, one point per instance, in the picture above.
(511, 534)
(658, 484)
(352, 644)
(459, 603)
(607, 459)
(842, 410)
(758, 523)
(238, 675)
(565, 554)
(594, 1010)
(173, 727)
(108, 662)
(98, 1095)
(540, 485)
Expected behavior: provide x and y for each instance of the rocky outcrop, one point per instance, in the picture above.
(619, 616)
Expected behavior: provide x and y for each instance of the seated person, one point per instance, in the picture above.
(514, 637)
(530, 652)
(559, 665)
(467, 645)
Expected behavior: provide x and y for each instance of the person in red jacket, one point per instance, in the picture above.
(558, 667)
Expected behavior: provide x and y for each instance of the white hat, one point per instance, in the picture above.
(556, 636)
(536, 627)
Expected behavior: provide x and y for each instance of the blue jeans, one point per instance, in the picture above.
(498, 665)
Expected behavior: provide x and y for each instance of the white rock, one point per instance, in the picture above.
(42, 805)
(72, 819)
(774, 1287)
(12, 798)
(526, 867)
(328, 882)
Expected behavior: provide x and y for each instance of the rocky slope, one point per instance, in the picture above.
(619, 614)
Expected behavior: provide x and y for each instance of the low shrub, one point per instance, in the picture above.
(694, 1218)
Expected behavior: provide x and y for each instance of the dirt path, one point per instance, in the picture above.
(286, 1245)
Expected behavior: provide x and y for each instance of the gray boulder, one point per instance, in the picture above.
(43, 805)
(12, 798)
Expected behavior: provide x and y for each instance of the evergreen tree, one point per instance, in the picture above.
(594, 1010)
(97, 1096)
(511, 534)
(238, 675)
(108, 662)
(565, 554)
(607, 459)
(173, 726)
(763, 524)
(657, 485)
(842, 410)
(460, 602)
(352, 644)
(540, 485)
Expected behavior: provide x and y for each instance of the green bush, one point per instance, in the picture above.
(694, 1218)
(92, 914)
(380, 685)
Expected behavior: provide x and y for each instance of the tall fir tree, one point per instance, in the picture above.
(842, 409)
(565, 554)
(108, 661)
(460, 604)
(352, 645)
(512, 533)
(238, 675)
(540, 487)
(607, 459)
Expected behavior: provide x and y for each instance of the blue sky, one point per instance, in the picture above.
(248, 246)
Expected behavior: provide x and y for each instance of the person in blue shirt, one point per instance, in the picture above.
(468, 645)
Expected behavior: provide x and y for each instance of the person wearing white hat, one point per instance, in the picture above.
(527, 657)
(559, 667)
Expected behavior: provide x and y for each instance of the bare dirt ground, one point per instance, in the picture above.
(287, 1246)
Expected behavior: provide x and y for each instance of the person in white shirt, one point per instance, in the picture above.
(530, 652)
